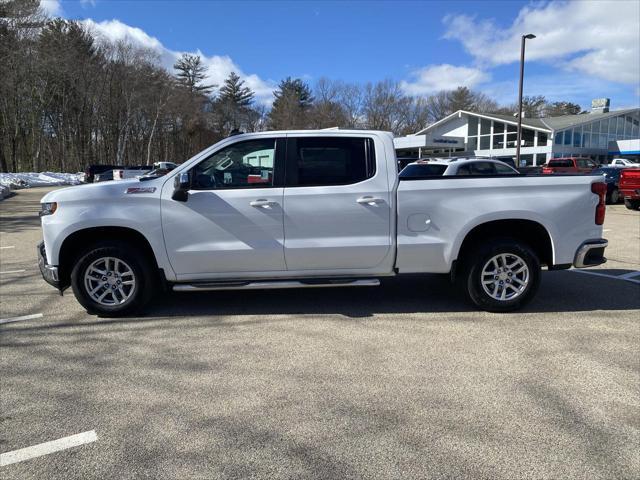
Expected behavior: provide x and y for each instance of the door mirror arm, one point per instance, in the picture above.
(181, 186)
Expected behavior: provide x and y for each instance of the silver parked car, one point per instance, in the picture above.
(457, 166)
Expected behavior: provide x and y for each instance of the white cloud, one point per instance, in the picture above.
(88, 3)
(599, 38)
(51, 7)
(218, 66)
(434, 78)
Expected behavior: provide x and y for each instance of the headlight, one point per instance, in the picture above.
(48, 208)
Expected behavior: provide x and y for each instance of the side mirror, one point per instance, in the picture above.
(181, 186)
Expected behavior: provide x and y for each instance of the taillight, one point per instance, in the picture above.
(547, 170)
(600, 189)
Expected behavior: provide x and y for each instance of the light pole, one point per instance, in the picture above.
(524, 38)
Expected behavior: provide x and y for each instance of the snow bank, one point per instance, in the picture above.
(44, 179)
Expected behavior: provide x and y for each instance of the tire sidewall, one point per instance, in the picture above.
(613, 197)
(134, 258)
(481, 256)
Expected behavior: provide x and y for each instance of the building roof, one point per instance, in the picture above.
(548, 123)
(558, 123)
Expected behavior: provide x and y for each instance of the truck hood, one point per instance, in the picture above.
(107, 190)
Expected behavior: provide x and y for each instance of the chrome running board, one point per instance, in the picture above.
(272, 284)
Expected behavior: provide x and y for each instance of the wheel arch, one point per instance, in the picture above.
(529, 232)
(79, 241)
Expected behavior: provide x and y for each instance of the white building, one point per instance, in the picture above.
(600, 135)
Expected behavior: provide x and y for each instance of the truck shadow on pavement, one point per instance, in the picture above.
(559, 292)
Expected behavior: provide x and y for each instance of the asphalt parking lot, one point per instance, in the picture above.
(400, 381)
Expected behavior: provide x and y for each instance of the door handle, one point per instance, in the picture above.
(368, 200)
(263, 202)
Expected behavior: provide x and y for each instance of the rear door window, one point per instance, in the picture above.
(318, 161)
(420, 171)
(503, 169)
(483, 168)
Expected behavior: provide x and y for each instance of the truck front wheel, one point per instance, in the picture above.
(112, 279)
(501, 275)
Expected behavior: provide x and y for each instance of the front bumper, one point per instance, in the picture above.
(591, 253)
(49, 272)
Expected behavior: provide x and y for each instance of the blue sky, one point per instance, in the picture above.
(584, 50)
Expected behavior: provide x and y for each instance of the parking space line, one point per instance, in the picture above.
(19, 319)
(12, 271)
(46, 448)
(9, 246)
(629, 275)
(615, 277)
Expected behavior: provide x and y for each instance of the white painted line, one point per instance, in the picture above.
(629, 275)
(19, 319)
(615, 277)
(12, 271)
(47, 448)
(606, 230)
(9, 246)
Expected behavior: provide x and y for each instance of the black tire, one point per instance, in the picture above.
(472, 268)
(632, 204)
(143, 274)
(613, 197)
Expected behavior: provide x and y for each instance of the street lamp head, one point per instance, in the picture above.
(529, 36)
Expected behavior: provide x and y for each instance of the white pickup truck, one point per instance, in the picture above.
(314, 209)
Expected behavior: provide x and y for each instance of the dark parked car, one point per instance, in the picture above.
(103, 176)
(92, 170)
(612, 179)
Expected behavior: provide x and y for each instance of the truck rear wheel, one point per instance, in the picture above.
(501, 275)
(112, 279)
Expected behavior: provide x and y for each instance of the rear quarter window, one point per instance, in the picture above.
(419, 171)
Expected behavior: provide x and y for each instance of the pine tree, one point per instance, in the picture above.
(191, 73)
(293, 100)
(235, 92)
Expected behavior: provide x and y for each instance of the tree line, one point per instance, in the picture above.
(69, 99)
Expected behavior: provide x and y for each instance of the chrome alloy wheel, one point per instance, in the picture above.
(109, 281)
(505, 277)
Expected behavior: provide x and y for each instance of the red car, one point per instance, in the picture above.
(629, 187)
(569, 165)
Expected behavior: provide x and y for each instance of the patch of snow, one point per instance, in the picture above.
(45, 179)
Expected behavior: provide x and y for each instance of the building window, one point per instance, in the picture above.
(628, 125)
(567, 137)
(498, 141)
(604, 125)
(498, 127)
(485, 126)
(620, 127)
(603, 141)
(526, 160)
(473, 126)
(577, 137)
(527, 137)
(484, 142)
(558, 139)
(586, 140)
(472, 143)
(542, 139)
